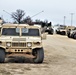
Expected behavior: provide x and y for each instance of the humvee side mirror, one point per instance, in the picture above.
(43, 36)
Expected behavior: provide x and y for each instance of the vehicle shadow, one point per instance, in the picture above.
(18, 60)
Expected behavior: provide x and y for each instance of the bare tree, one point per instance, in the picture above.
(27, 20)
(18, 15)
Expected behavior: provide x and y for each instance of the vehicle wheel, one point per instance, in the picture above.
(52, 31)
(49, 32)
(39, 53)
(62, 33)
(74, 36)
(2, 56)
(68, 35)
(56, 32)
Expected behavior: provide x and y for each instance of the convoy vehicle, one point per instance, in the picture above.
(61, 30)
(21, 40)
(70, 31)
(49, 29)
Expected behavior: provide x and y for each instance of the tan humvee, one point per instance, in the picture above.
(70, 27)
(70, 30)
(61, 30)
(21, 40)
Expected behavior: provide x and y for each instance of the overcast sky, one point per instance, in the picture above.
(54, 10)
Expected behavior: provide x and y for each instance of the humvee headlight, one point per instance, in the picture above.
(47, 28)
(29, 44)
(8, 44)
(71, 32)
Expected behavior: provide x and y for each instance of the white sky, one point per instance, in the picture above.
(54, 10)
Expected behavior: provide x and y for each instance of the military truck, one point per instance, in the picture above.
(21, 40)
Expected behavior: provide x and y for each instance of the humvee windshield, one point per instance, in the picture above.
(61, 28)
(30, 32)
(16, 32)
(11, 31)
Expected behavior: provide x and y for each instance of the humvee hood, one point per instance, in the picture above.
(23, 39)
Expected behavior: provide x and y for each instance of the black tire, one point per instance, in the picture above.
(56, 32)
(50, 32)
(39, 53)
(75, 36)
(72, 36)
(63, 33)
(68, 35)
(2, 56)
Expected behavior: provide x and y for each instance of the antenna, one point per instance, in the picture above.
(37, 14)
(6, 12)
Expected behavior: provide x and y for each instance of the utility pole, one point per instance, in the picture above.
(72, 18)
(64, 20)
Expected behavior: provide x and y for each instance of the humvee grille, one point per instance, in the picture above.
(18, 44)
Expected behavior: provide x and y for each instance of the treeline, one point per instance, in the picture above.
(19, 18)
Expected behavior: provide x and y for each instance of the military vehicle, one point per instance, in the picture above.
(61, 30)
(70, 31)
(49, 30)
(21, 40)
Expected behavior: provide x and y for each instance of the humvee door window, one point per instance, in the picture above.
(11, 31)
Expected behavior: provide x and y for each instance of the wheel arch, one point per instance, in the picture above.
(37, 48)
